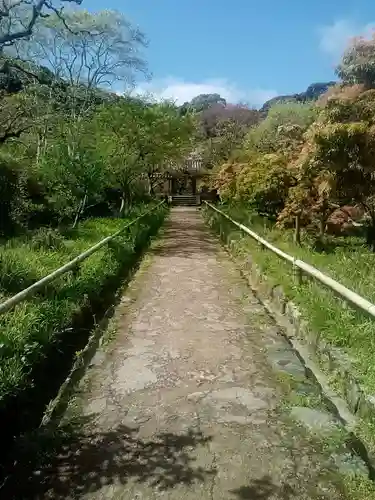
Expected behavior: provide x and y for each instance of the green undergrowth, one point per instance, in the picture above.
(346, 259)
(343, 466)
(53, 319)
(338, 324)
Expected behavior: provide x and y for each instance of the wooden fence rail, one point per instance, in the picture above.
(341, 290)
(69, 266)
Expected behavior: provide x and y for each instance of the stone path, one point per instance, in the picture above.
(185, 403)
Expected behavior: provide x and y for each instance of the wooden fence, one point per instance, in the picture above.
(300, 267)
(69, 266)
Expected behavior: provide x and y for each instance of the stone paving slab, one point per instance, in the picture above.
(185, 403)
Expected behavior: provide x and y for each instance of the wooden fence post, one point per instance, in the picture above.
(297, 273)
(297, 230)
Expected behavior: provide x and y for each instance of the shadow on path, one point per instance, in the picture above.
(264, 489)
(185, 240)
(74, 464)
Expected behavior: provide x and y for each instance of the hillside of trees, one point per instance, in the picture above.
(68, 143)
(306, 159)
(77, 163)
(312, 93)
(220, 126)
(223, 126)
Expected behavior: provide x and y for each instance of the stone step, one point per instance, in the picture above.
(185, 200)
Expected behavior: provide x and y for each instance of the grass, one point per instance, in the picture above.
(348, 261)
(38, 334)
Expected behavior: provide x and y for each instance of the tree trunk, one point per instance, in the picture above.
(122, 207)
(80, 210)
(125, 203)
(370, 230)
(322, 227)
(370, 236)
(77, 214)
(38, 149)
(42, 144)
(150, 186)
(297, 230)
(44, 140)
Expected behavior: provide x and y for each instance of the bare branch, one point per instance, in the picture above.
(8, 38)
(18, 19)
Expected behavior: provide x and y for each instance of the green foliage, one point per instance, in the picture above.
(74, 161)
(31, 331)
(228, 137)
(204, 101)
(264, 183)
(348, 261)
(263, 175)
(139, 139)
(71, 169)
(16, 114)
(283, 127)
(306, 160)
(12, 194)
(358, 63)
(79, 145)
(47, 238)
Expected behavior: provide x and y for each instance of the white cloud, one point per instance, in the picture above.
(181, 91)
(334, 38)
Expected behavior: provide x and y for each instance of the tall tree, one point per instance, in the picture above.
(90, 49)
(118, 131)
(165, 137)
(72, 168)
(140, 140)
(205, 101)
(242, 116)
(336, 165)
(83, 52)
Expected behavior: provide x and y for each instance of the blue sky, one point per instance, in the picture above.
(246, 50)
